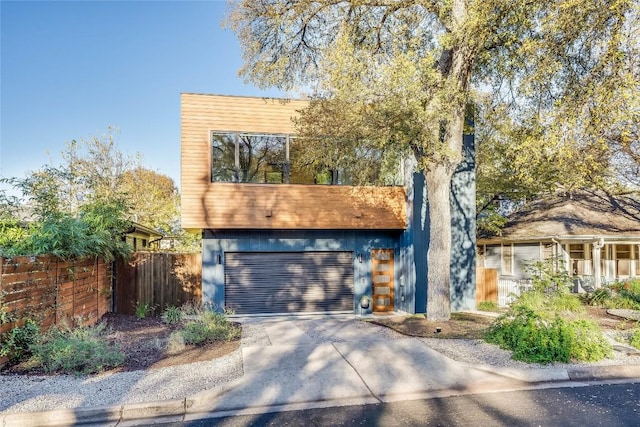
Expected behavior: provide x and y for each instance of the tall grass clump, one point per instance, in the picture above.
(209, 326)
(488, 306)
(172, 315)
(79, 350)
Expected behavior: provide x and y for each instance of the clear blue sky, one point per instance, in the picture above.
(71, 69)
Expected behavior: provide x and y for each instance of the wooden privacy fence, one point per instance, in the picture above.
(50, 291)
(486, 284)
(159, 280)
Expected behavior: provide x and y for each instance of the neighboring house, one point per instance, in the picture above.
(596, 236)
(275, 240)
(142, 238)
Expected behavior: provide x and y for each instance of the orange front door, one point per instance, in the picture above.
(382, 278)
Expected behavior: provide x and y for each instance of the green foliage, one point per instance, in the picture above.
(542, 302)
(489, 220)
(588, 343)
(599, 297)
(96, 232)
(107, 221)
(550, 294)
(625, 294)
(5, 317)
(537, 339)
(153, 197)
(488, 306)
(81, 350)
(143, 309)
(531, 338)
(82, 207)
(172, 315)
(210, 326)
(549, 275)
(628, 290)
(634, 340)
(16, 344)
(566, 302)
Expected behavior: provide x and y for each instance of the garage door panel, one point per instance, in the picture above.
(288, 282)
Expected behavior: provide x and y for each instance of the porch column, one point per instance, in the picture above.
(595, 256)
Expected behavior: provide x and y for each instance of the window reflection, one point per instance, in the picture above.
(223, 149)
(262, 158)
(275, 159)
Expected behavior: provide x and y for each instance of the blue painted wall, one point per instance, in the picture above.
(415, 240)
(216, 242)
(463, 227)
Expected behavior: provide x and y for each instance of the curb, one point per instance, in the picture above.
(600, 373)
(111, 415)
(177, 410)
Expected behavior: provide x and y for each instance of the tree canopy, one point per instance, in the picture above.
(399, 76)
(84, 205)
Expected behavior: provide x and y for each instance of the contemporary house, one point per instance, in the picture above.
(278, 239)
(595, 236)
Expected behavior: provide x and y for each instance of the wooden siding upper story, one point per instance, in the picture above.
(268, 206)
(280, 206)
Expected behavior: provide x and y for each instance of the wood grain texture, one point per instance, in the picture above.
(267, 206)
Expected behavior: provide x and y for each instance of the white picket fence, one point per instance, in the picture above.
(510, 289)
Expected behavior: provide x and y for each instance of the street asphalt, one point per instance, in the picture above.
(296, 372)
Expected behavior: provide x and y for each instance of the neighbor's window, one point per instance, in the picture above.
(623, 260)
(548, 250)
(507, 259)
(576, 251)
(623, 251)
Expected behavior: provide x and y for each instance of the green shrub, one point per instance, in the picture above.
(488, 306)
(549, 275)
(5, 316)
(565, 301)
(588, 342)
(634, 340)
(626, 294)
(143, 309)
(530, 337)
(82, 350)
(172, 315)
(210, 326)
(16, 344)
(598, 298)
(550, 302)
(535, 338)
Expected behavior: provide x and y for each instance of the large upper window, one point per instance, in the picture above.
(277, 158)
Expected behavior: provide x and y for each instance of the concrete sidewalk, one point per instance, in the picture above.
(295, 371)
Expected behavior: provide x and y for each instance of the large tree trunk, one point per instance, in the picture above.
(439, 254)
(438, 176)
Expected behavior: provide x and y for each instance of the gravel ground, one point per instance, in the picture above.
(37, 393)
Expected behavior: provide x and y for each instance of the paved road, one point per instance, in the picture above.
(608, 405)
